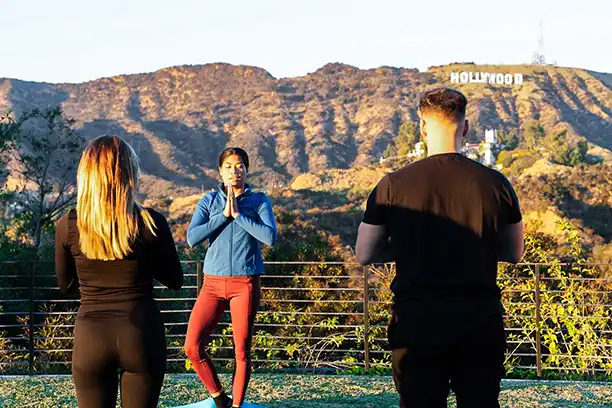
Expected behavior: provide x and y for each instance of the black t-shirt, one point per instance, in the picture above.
(113, 284)
(444, 215)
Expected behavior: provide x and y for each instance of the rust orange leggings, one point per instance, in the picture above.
(243, 294)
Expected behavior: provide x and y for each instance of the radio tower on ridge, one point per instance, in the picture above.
(538, 56)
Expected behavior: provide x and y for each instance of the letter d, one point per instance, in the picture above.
(518, 79)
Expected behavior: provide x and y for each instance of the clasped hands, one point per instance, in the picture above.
(231, 206)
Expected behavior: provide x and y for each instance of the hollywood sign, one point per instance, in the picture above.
(486, 77)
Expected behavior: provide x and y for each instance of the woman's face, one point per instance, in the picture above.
(233, 171)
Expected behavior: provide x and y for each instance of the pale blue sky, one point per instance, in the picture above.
(80, 40)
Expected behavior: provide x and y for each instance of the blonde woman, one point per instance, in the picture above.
(113, 249)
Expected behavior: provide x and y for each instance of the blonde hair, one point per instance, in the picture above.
(107, 210)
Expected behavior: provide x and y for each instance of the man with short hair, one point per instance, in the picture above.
(446, 221)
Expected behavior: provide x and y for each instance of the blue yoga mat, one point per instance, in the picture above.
(210, 403)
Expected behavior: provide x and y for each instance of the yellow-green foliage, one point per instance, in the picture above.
(313, 315)
(574, 310)
(515, 161)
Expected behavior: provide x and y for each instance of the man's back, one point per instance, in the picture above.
(444, 215)
(450, 220)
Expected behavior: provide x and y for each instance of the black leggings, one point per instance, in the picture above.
(472, 367)
(126, 350)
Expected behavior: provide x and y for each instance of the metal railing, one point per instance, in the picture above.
(325, 316)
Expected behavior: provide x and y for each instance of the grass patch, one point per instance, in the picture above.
(301, 391)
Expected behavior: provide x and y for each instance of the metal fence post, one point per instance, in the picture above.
(366, 318)
(538, 332)
(199, 275)
(31, 322)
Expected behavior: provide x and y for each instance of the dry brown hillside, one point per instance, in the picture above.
(340, 116)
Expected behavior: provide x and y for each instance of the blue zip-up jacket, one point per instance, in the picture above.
(233, 244)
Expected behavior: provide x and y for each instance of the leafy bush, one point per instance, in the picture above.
(572, 316)
(515, 161)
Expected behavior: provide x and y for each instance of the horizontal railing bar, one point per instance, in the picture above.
(519, 303)
(321, 263)
(48, 275)
(279, 349)
(53, 338)
(546, 317)
(57, 288)
(300, 325)
(545, 290)
(348, 313)
(577, 357)
(324, 363)
(586, 370)
(322, 326)
(352, 263)
(190, 299)
(229, 336)
(601, 331)
(311, 301)
(358, 277)
(559, 304)
(225, 312)
(532, 342)
(310, 277)
(194, 299)
(575, 279)
(317, 289)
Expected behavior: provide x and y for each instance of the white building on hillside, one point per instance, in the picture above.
(490, 142)
(419, 150)
(483, 151)
(471, 150)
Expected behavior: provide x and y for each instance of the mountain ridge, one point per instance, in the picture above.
(337, 117)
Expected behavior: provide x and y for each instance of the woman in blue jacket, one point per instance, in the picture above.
(235, 221)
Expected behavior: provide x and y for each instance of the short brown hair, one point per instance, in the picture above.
(447, 102)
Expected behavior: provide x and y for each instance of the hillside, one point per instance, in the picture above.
(337, 117)
(320, 212)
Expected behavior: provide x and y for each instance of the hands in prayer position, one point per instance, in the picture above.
(231, 206)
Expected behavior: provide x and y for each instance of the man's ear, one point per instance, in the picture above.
(423, 127)
(466, 128)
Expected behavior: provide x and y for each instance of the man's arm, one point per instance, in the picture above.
(511, 237)
(373, 235)
(373, 245)
(511, 243)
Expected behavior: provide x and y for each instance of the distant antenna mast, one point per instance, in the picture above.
(538, 56)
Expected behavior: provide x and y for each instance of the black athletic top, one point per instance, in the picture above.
(444, 216)
(114, 282)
